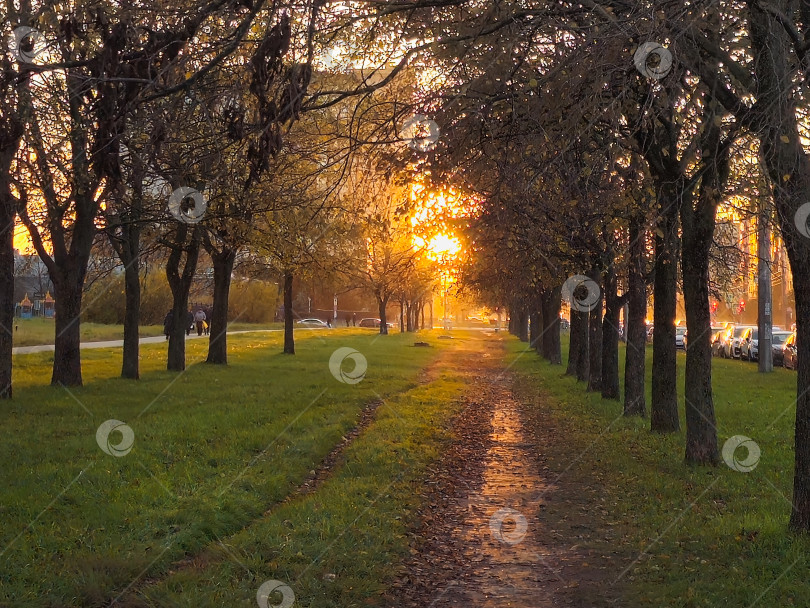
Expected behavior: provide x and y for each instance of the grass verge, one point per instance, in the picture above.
(688, 537)
(214, 447)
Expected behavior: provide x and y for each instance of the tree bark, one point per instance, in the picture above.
(610, 337)
(67, 363)
(218, 323)
(595, 336)
(574, 342)
(535, 332)
(7, 216)
(180, 284)
(584, 358)
(551, 325)
(635, 403)
(382, 304)
(402, 316)
(130, 365)
(697, 226)
(289, 338)
(9, 140)
(789, 172)
(664, 406)
(523, 325)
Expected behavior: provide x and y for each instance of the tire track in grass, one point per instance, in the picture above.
(217, 552)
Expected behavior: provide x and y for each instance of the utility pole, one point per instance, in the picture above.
(764, 291)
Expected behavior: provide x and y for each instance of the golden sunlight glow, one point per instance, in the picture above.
(434, 211)
(439, 246)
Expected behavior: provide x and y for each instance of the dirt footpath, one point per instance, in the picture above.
(499, 526)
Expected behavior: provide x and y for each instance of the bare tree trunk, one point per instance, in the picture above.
(789, 172)
(584, 358)
(595, 337)
(574, 343)
(218, 323)
(130, 365)
(551, 325)
(382, 304)
(635, 327)
(664, 408)
(523, 325)
(67, 362)
(697, 226)
(180, 285)
(11, 132)
(7, 216)
(535, 332)
(610, 338)
(289, 338)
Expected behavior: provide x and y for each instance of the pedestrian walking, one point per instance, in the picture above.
(168, 323)
(189, 322)
(199, 320)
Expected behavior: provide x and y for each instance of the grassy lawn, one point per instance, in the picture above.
(692, 536)
(216, 452)
(31, 332)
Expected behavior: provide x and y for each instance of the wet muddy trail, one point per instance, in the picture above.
(486, 537)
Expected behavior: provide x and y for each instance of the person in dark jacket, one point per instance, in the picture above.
(189, 322)
(168, 323)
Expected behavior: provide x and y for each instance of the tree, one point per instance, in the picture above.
(103, 71)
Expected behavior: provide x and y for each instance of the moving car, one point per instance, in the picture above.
(680, 332)
(789, 353)
(313, 323)
(779, 339)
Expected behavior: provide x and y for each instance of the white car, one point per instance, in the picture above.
(680, 332)
(733, 345)
(312, 323)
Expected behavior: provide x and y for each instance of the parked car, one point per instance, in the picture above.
(749, 344)
(779, 339)
(721, 345)
(789, 353)
(717, 342)
(733, 343)
(680, 332)
(372, 322)
(313, 323)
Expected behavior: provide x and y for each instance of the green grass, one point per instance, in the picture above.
(32, 332)
(696, 536)
(215, 447)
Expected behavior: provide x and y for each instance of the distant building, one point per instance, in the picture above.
(32, 287)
